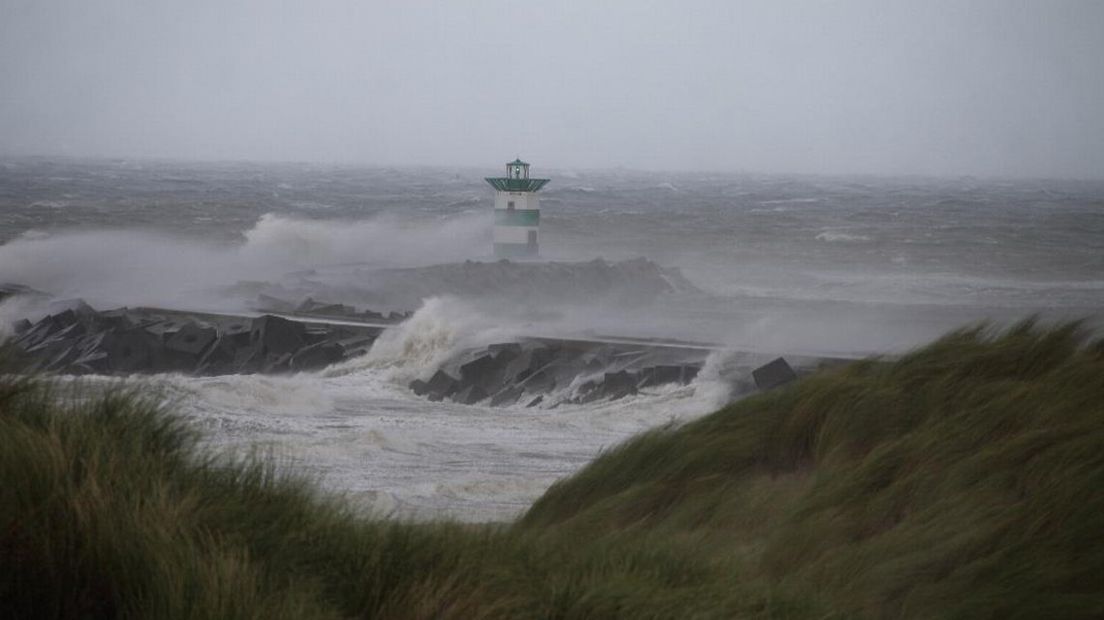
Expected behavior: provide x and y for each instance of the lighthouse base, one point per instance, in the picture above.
(516, 250)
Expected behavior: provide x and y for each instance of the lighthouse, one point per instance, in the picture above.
(517, 211)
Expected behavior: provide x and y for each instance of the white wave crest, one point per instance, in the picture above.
(437, 331)
(838, 236)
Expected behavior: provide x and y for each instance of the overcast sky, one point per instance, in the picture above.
(953, 87)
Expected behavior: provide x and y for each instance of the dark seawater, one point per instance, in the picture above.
(850, 238)
(781, 264)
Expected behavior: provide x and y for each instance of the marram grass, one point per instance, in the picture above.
(964, 480)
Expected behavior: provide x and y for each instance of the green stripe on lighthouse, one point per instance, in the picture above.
(517, 217)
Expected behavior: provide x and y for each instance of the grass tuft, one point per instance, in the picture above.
(962, 480)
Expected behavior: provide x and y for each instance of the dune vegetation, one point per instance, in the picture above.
(965, 479)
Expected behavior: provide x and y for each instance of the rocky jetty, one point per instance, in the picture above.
(321, 309)
(74, 338)
(528, 372)
(627, 283)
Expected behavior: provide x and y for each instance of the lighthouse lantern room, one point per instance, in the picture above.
(517, 212)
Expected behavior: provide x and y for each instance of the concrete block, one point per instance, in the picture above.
(507, 396)
(618, 384)
(419, 387)
(277, 363)
(470, 395)
(132, 350)
(442, 385)
(276, 335)
(237, 333)
(541, 381)
(689, 373)
(773, 374)
(484, 371)
(658, 375)
(317, 356)
(219, 358)
(192, 340)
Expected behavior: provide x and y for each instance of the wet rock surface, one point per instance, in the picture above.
(74, 338)
(526, 373)
(773, 374)
(549, 372)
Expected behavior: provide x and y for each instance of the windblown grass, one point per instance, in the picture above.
(963, 480)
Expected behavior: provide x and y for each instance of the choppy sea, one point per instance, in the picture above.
(775, 264)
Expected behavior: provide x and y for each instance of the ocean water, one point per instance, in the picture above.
(767, 263)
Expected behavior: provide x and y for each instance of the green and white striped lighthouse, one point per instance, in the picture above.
(517, 211)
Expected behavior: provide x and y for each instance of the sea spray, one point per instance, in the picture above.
(115, 267)
(416, 348)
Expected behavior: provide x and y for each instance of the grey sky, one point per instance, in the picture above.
(930, 87)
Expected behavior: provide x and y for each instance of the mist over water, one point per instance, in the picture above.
(772, 264)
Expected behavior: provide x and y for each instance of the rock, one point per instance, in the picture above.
(219, 358)
(507, 396)
(238, 333)
(277, 363)
(131, 350)
(315, 334)
(470, 395)
(619, 384)
(659, 375)
(419, 387)
(91, 344)
(21, 326)
(248, 359)
(441, 385)
(773, 374)
(614, 385)
(536, 401)
(119, 318)
(57, 339)
(484, 371)
(276, 335)
(191, 340)
(525, 363)
(317, 356)
(66, 354)
(163, 330)
(38, 333)
(689, 373)
(356, 345)
(543, 381)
